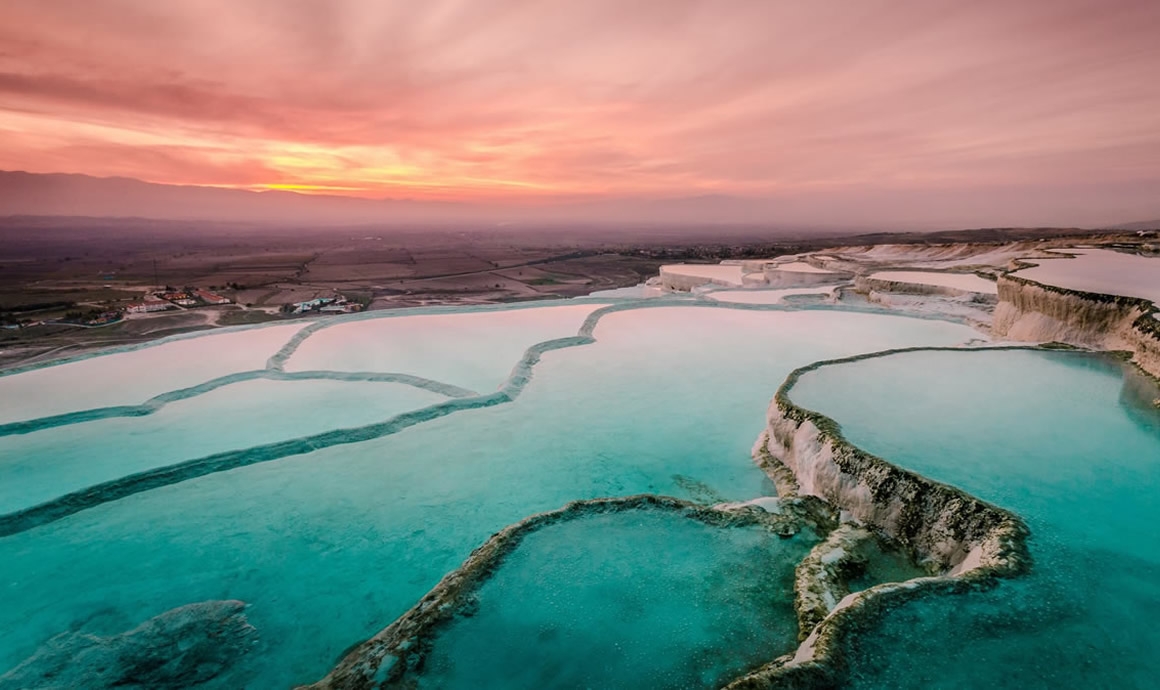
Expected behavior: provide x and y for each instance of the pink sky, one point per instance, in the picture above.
(517, 100)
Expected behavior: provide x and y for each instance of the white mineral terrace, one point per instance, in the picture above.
(959, 281)
(719, 273)
(130, 377)
(944, 256)
(1100, 270)
(432, 345)
(767, 296)
(800, 267)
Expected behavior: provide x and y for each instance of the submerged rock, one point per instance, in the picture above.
(180, 648)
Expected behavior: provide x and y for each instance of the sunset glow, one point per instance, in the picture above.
(513, 101)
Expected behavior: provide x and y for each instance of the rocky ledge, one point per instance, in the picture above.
(385, 660)
(869, 285)
(961, 541)
(1032, 311)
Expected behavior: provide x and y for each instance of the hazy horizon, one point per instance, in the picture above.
(905, 114)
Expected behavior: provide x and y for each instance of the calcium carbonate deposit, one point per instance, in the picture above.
(568, 495)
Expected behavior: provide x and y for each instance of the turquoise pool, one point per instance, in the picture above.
(331, 542)
(1070, 442)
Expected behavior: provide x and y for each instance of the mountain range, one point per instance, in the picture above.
(63, 194)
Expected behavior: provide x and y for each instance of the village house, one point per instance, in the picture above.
(210, 297)
(311, 305)
(147, 306)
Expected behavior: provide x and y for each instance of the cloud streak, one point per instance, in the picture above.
(513, 101)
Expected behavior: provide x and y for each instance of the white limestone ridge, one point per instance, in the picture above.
(785, 272)
(1029, 311)
(959, 539)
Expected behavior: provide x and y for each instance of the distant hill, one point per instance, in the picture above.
(31, 194)
(60, 194)
(809, 212)
(1138, 225)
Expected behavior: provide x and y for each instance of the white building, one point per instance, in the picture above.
(148, 306)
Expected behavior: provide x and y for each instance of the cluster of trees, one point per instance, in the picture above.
(363, 300)
(38, 306)
(78, 316)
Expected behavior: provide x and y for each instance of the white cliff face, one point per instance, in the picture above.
(930, 283)
(955, 255)
(959, 539)
(1032, 312)
(975, 310)
(685, 277)
(818, 474)
(944, 527)
(799, 274)
(748, 273)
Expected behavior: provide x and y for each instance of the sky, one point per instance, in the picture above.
(1022, 110)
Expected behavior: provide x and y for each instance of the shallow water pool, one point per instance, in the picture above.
(626, 600)
(330, 546)
(1066, 440)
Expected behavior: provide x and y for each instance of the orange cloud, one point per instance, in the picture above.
(514, 101)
